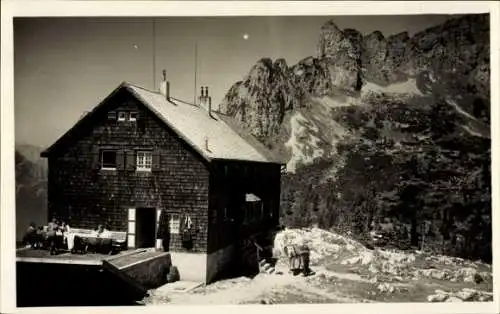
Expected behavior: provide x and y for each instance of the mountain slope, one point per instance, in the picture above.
(382, 130)
(31, 190)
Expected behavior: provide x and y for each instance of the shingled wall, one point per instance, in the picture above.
(85, 196)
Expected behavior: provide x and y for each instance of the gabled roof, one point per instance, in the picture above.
(212, 136)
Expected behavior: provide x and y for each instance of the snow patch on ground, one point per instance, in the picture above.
(407, 87)
(329, 102)
(475, 127)
(459, 110)
(471, 131)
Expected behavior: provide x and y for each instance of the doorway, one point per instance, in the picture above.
(145, 229)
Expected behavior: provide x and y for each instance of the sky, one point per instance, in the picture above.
(65, 66)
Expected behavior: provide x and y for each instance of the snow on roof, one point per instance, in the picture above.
(210, 135)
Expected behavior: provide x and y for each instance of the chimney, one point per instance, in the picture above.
(209, 105)
(205, 100)
(165, 86)
(208, 101)
(206, 143)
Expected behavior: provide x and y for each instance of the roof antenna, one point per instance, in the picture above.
(195, 69)
(154, 54)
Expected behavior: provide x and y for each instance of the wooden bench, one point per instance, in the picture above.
(118, 238)
(81, 231)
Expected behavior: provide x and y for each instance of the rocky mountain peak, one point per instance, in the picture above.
(448, 59)
(280, 65)
(375, 35)
(329, 39)
(260, 70)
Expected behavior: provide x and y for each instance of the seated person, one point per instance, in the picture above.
(40, 236)
(101, 232)
(101, 241)
(30, 238)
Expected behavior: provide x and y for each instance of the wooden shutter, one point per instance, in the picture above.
(130, 160)
(155, 161)
(112, 115)
(120, 163)
(96, 160)
(131, 228)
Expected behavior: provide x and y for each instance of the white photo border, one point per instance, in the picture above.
(11, 9)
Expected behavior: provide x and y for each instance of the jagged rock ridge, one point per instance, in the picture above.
(450, 59)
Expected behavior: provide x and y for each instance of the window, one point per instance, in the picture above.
(174, 224)
(254, 208)
(122, 116)
(132, 116)
(144, 161)
(108, 159)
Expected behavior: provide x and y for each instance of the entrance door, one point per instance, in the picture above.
(145, 228)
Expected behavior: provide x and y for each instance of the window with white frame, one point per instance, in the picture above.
(122, 116)
(132, 116)
(144, 160)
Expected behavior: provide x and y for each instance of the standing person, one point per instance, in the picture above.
(51, 235)
(293, 259)
(304, 253)
(65, 232)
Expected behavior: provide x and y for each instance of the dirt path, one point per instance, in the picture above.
(238, 291)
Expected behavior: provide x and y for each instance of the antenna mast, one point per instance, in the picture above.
(195, 69)
(154, 54)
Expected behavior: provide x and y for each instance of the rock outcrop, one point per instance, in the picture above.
(449, 59)
(259, 101)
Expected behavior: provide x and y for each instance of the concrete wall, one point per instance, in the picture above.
(219, 262)
(192, 266)
(150, 273)
(49, 284)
